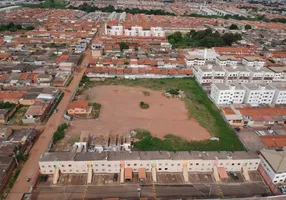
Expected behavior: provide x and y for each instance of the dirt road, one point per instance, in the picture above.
(31, 167)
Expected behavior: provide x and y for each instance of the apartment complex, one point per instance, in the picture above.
(155, 161)
(222, 93)
(134, 31)
(206, 75)
(227, 94)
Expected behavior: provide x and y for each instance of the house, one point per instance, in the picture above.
(35, 113)
(28, 99)
(11, 96)
(78, 107)
(44, 78)
(4, 114)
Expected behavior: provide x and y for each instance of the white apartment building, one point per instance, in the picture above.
(224, 61)
(155, 161)
(279, 73)
(258, 94)
(115, 30)
(280, 93)
(274, 164)
(192, 60)
(227, 93)
(206, 75)
(157, 32)
(253, 61)
(135, 31)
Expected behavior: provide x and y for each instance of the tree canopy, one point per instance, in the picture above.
(205, 38)
(247, 26)
(233, 27)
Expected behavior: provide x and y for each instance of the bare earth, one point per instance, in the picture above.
(120, 112)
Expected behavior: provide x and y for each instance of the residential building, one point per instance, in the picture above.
(44, 78)
(192, 60)
(134, 31)
(155, 161)
(78, 107)
(253, 61)
(224, 61)
(258, 94)
(206, 75)
(227, 93)
(280, 93)
(274, 164)
(36, 113)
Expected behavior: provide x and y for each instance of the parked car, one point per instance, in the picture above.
(44, 178)
(234, 175)
(282, 189)
(115, 177)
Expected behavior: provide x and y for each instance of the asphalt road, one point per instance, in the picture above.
(161, 191)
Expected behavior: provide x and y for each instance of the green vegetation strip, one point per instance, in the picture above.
(14, 178)
(199, 107)
(60, 133)
(205, 38)
(88, 8)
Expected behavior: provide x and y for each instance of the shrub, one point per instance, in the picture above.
(144, 105)
(60, 132)
(173, 91)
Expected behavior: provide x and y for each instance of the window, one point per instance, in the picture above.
(109, 165)
(51, 170)
(166, 168)
(96, 165)
(43, 166)
(49, 165)
(141, 165)
(69, 165)
(179, 164)
(197, 163)
(238, 163)
(128, 165)
(135, 164)
(172, 164)
(159, 169)
(102, 165)
(232, 163)
(63, 165)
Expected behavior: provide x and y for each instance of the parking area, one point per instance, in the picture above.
(104, 179)
(231, 179)
(255, 177)
(72, 179)
(47, 183)
(170, 178)
(201, 178)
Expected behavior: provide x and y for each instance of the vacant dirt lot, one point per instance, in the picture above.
(120, 112)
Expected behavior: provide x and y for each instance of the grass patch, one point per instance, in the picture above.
(95, 109)
(199, 107)
(18, 115)
(74, 139)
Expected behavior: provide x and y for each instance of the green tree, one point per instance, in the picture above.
(247, 26)
(29, 28)
(233, 27)
(123, 45)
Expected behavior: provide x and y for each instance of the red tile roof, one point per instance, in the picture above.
(78, 104)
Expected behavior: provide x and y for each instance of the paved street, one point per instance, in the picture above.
(130, 191)
(31, 167)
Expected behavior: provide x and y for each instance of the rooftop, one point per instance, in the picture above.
(276, 159)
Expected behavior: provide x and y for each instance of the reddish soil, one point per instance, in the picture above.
(120, 112)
